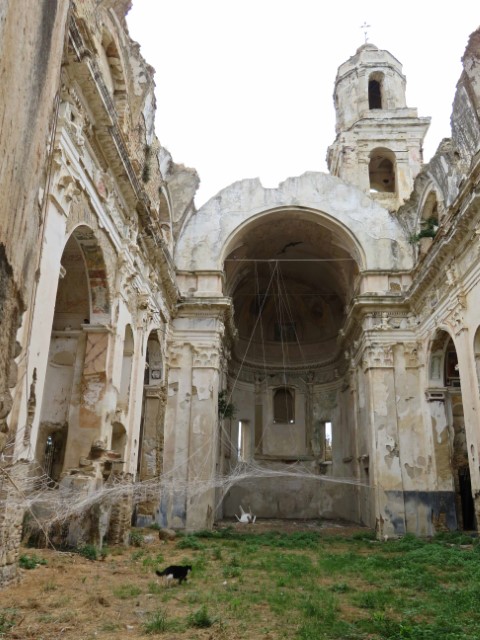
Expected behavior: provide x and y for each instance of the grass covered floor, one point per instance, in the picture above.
(305, 585)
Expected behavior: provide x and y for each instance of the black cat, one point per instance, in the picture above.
(175, 572)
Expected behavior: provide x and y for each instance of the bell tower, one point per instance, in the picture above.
(378, 146)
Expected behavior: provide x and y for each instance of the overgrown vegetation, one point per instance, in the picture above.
(156, 623)
(226, 409)
(30, 561)
(428, 230)
(320, 587)
(136, 538)
(305, 585)
(201, 618)
(89, 551)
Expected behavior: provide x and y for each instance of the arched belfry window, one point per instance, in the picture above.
(381, 171)
(284, 405)
(375, 91)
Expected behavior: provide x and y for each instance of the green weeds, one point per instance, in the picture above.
(136, 538)
(201, 619)
(150, 562)
(89, 551)
(30, 561)
(190, 542)
(156, 623)
(306, 586)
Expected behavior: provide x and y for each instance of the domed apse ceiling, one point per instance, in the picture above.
(290, 279)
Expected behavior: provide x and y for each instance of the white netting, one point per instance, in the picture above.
(54, 504)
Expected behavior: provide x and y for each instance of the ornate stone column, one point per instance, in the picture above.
(378, 366)
(191, 417)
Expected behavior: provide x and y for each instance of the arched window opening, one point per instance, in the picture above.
(375, 91)
(113, 75)
(153, 362)
(381, 171)
(284, 406)
(374, 94)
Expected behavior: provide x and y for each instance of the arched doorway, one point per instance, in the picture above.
(291, 275)
(75, 362)
(446, 405)
(151, 444)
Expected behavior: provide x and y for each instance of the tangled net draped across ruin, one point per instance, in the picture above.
(53, 504)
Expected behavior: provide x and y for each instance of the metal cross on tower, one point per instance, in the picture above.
(365, 27)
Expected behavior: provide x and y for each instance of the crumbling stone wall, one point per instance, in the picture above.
(466, 104)
(29, 77)
(121, 513)
(11, 517)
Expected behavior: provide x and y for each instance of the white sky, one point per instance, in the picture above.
(244, 88)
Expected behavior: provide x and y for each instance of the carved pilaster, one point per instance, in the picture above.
(377, 356)
(176, 352)
(413, 354)
(206, 356)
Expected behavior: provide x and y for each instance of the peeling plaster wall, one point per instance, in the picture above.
(365, 452)
(29, 80)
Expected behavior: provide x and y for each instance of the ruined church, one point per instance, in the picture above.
(308, 351)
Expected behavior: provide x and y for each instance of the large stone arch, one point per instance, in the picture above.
(320, 243)
(73, 412)
(291, 272)
(96, 271)
(207, 233)
(343, 234)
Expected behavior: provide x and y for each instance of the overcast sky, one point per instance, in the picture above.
(244, 88)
